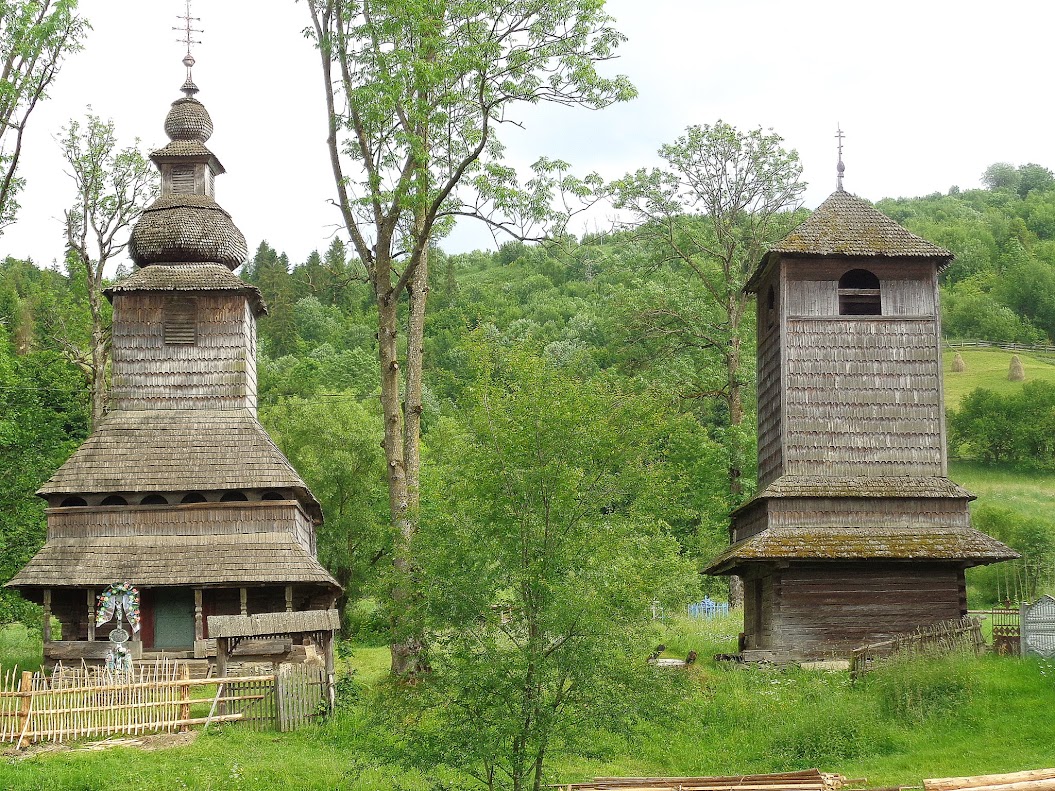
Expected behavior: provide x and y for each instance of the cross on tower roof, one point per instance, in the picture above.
(188, 30)
(840, 168)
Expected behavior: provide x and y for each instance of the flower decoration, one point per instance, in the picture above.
(121, 597)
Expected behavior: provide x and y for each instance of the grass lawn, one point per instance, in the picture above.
(988, 368)
(896, 727)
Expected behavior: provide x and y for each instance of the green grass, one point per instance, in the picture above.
(988, 368)
(896, 727)
(1029, 492)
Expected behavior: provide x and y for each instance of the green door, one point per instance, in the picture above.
(173, 618)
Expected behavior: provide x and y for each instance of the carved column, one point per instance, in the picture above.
(243, 596)
(199, 623)
(46, 626)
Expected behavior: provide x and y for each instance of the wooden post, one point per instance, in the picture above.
(331, 689)
(91, 614)
(46, 626)
(1022, 608)
(25, 690)
(280, 701)
(222, 644)
(243, 596)
(199, 622)
(184, 696)
(289, 598)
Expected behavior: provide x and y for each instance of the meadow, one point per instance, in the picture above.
(931, 718)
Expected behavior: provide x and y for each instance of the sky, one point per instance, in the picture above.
(928, 93)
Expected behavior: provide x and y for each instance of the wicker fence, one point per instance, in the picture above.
(90, 702)
(946, 637)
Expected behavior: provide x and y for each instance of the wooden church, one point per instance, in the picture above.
(179, 490)
(856, 532)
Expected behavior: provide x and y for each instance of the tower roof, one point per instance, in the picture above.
(185, 225)
(845, 225)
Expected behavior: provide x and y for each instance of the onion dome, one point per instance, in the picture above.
(188, 120)
(185, 225)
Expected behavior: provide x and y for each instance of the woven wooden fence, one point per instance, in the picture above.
(91, 702)
(945, 637)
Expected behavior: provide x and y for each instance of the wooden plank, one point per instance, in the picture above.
(977, 781)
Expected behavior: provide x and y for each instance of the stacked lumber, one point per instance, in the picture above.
(1033, 780)
(807, 780)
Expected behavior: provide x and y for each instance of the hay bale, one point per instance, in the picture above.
(1016, 373)
(958, 365)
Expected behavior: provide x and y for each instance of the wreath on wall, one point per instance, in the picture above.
(121, 598)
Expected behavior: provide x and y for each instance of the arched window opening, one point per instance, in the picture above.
(234, 497)
(859, 294)
(193, 497)
(153, 499)
(114, 499)
(272, 495)
(71, 502)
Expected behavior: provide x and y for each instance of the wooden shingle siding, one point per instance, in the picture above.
(270, 516)
(862, 398)
(159, 362)
(770, 460)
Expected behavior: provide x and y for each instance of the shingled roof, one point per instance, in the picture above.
(893, 486)
(848, 226)
(187, 228)
(854, 543)
(182, 276)
(201, 560)
(178, 450)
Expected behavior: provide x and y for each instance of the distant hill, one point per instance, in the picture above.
(988, 368)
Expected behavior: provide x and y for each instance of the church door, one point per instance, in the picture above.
(173, 618)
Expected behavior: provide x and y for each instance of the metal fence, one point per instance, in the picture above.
(708, 608)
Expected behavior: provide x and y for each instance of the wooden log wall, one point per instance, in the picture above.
(863, 398)
(215, 372)
(825, 608)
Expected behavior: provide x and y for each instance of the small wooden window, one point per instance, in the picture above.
(183, 179)
(771, 308)
(272, 495)
(115, 499)
(71, 502)
(181, 322)
(859, 294)
(153, 499)
(234, 497)
(193, 497)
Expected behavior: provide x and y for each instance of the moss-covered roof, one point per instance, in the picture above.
(893, 486)
(859, 543)
(848, 226)
(181, 276)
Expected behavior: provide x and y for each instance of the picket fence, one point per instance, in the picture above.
(946, 637)
(84, 702)
(708, 608)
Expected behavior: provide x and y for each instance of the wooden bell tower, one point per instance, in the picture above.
(856, 532)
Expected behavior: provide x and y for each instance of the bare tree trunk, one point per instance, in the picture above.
(100, 350)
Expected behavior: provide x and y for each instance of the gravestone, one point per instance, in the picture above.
(1038, 628)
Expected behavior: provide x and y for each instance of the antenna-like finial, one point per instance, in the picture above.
(188, 30)
(840, 168)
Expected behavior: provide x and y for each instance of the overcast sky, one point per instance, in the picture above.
(929, 93)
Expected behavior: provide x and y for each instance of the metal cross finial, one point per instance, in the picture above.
(840, 168)
(188, 31)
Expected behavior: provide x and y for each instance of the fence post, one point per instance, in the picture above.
(280, 700)
(184, 696)
(25, 689)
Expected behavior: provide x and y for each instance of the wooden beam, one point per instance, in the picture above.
(46, 626)
(199, 623)
(91, 614)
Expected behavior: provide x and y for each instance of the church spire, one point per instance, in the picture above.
(188, 30)
(840, 168)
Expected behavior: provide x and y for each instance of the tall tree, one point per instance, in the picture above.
(114, 185)
(414, 94)
(543, 563)
(710, 213)
(35, 38)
